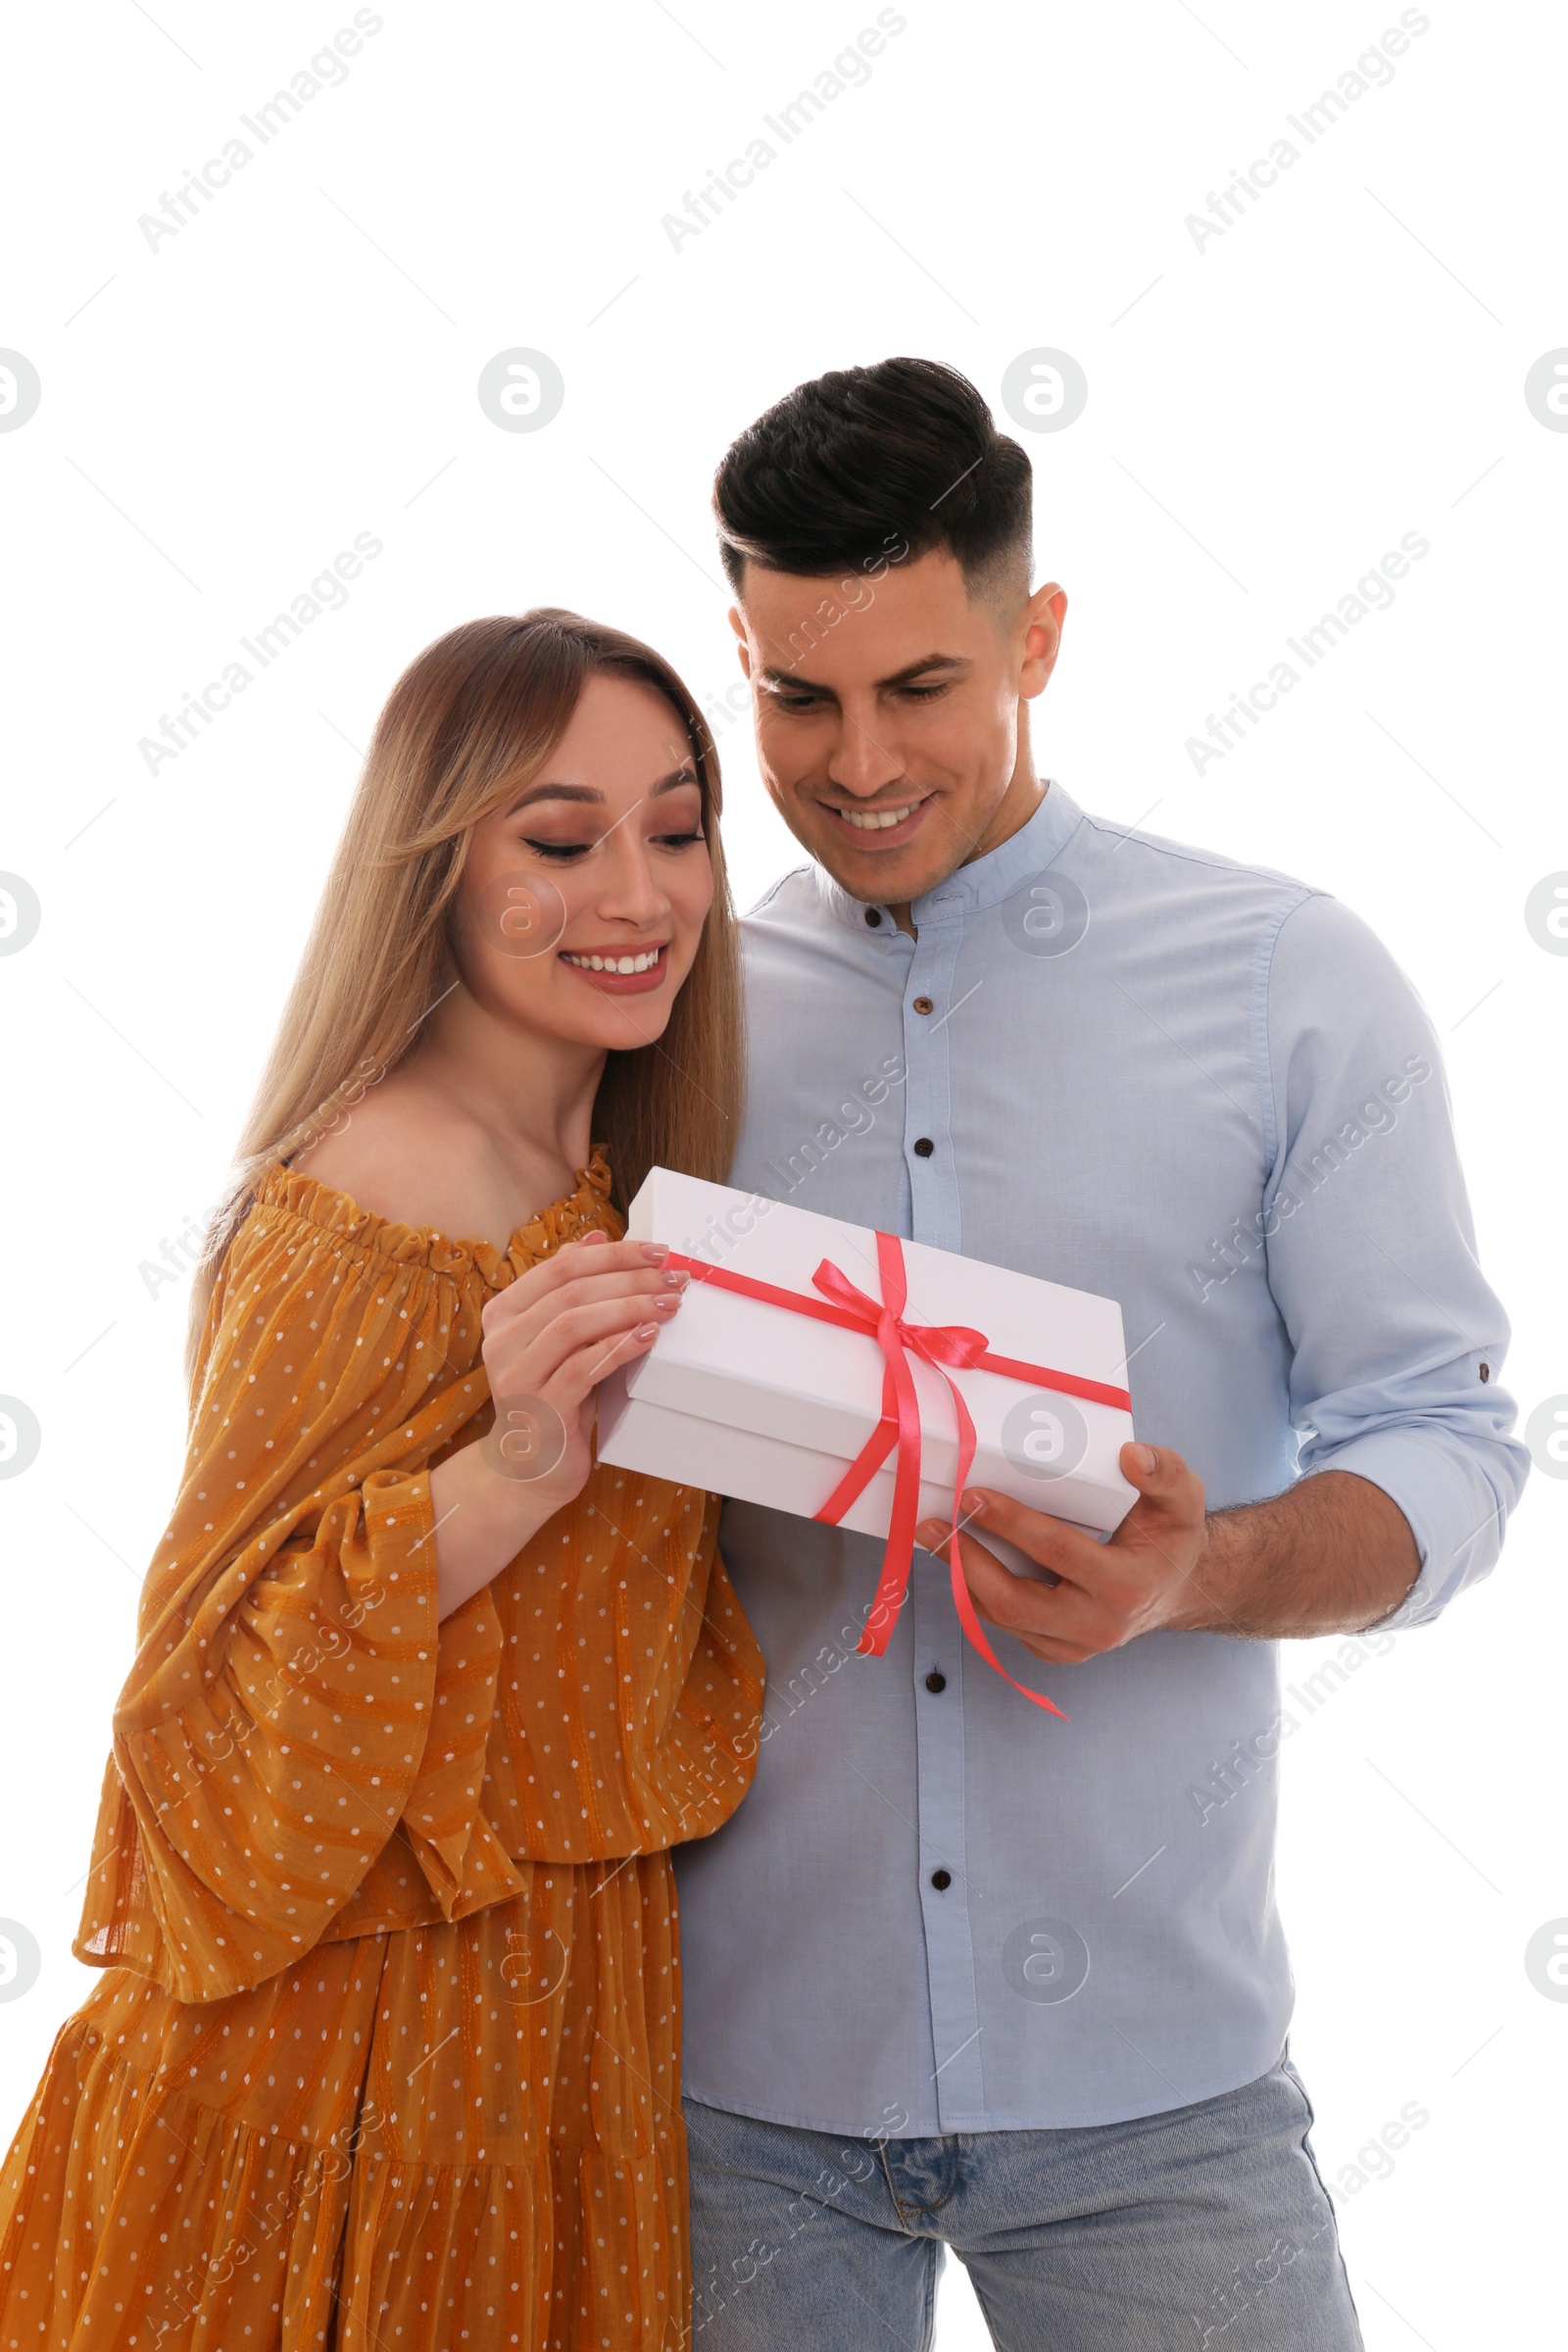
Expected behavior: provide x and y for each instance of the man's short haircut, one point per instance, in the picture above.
(864, 464)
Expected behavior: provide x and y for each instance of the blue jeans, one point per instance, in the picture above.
(1207, 2228)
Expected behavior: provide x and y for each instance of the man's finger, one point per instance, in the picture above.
(1162, 1479)
(1048, 1619)
(1051, 1541)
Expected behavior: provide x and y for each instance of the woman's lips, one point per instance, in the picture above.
(609, 979)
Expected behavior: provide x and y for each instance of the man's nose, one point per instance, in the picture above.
(859, 764)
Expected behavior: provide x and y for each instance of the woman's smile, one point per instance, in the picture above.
(620, 972)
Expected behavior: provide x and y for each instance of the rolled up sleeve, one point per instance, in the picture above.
(1398, 1340)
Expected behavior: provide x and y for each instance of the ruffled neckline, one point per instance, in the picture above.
(586, 1210)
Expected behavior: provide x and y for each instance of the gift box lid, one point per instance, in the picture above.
(755, 1365)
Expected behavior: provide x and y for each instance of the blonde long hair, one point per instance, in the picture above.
(472, 720)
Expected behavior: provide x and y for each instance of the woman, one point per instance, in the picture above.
(385, 2051)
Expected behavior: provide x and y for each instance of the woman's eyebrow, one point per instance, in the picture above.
(554, 792)
(684, 775)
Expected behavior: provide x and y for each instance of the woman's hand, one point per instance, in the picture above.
(548, 1341)
(550, 1337)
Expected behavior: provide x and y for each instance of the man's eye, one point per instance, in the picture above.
(923, 694)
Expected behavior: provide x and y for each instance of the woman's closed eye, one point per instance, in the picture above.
(564, 852)
(559, 851)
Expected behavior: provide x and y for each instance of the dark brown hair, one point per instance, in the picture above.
(842, 467)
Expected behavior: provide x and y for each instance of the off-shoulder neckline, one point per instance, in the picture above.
(322, 1205)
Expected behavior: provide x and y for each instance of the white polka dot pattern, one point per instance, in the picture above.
(390, 1996)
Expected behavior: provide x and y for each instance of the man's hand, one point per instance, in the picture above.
(1137, 1581)
(1332, 1554)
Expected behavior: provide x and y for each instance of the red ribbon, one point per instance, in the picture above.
(937, 1345)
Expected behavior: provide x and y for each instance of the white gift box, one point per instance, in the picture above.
(754, 1400)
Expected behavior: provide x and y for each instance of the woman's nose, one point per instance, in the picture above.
(631, 892)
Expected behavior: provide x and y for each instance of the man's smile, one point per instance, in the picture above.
(879, 828)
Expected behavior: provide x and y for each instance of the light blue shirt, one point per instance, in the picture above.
(1207, 1090)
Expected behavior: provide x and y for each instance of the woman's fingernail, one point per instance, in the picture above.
(679, 1278)
(973, 1505)
(667, 1302)
(646, 1331)
(595, 1236)
(656, 1252)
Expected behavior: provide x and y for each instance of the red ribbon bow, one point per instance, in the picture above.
(939, 1345)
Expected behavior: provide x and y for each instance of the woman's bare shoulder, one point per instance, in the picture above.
(391, 1155)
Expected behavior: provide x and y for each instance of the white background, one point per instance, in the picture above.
(1266, 415)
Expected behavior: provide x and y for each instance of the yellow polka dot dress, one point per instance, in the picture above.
(386, 2053)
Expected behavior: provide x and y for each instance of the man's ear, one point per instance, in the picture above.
(737, 621)
(1043, 619)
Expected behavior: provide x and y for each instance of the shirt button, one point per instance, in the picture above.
(942, 1879)
(873, 915)
(923, 1004)
(936, 1680)
(923, 1147)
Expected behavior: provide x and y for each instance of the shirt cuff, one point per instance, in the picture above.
(1454, 1511)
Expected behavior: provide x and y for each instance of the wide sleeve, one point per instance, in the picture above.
(1397, 1338)
(294, 1697)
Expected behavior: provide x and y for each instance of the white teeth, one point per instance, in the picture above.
(875, 820)
(644, 963)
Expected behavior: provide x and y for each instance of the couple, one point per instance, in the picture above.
(389, 2048)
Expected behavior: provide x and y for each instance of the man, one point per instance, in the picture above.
(959, 1971)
